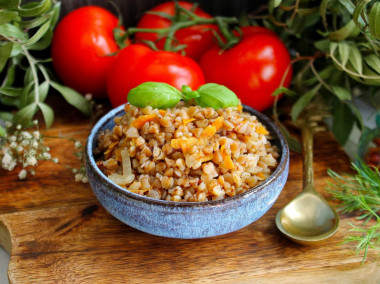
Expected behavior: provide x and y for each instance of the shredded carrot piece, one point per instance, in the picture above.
(162, 112)
(209, 131)
(186, 121)
(183, 143)
(205, 158)
(218, 123)
(262, 130)
(141, 120)
(240, 108)
(227, 161)
(108, 152)
(260, 175)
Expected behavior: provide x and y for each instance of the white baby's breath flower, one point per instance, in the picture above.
(13, 145)
(8, 124)
(19, 149)
(78, 177)
(18, 127)
(55, 160)
(77, 144)
(36, 135)
(46, 156)
(26, 135)
(31, 161)
(34, 143)
(85, 179)
(32, 172)
(22, 174)
(25, 143)
(75, 171)
(88, 97)
(8, 162)
(35, 122)
(13, 138)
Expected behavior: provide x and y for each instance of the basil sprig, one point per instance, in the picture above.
(162, 96)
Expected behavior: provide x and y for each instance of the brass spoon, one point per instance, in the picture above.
(309, 218)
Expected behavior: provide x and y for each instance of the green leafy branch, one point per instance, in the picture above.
(360, 193)
(341, 40)
(24, 30)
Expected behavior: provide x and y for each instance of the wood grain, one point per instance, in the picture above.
(57, 232)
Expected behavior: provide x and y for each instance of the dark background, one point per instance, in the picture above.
(132, 10)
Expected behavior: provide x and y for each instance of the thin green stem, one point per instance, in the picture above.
(44, 73)
(32, 64)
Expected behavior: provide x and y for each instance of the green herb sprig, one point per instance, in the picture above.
(24, 30)
(360, 192)
(162, 95)
(335, 46)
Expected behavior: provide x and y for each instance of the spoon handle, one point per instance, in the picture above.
(307, 154)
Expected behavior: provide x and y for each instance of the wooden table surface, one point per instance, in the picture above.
(57, 232)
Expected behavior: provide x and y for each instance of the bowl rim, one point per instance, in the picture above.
(272, 128)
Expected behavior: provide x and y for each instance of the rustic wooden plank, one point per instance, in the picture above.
(57, 232)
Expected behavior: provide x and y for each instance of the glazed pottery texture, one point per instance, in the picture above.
(186, 220)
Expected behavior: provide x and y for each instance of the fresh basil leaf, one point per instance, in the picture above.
(34, 9)
(7, 16)
(216, 96)
(154, 94)
(341, 92)
(5, 52)
(73, 98)
(48, 114)
(25, 115)
(374, 20)
(343, 122)
(188, 93)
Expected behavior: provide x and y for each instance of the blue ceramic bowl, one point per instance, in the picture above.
(182, 219)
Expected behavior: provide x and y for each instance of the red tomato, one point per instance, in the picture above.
(137, 64)
(82, 44)
(253, 69)
(198, 38)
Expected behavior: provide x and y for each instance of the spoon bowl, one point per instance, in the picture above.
(308, 219)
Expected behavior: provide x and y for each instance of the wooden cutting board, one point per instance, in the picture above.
(57, 232)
